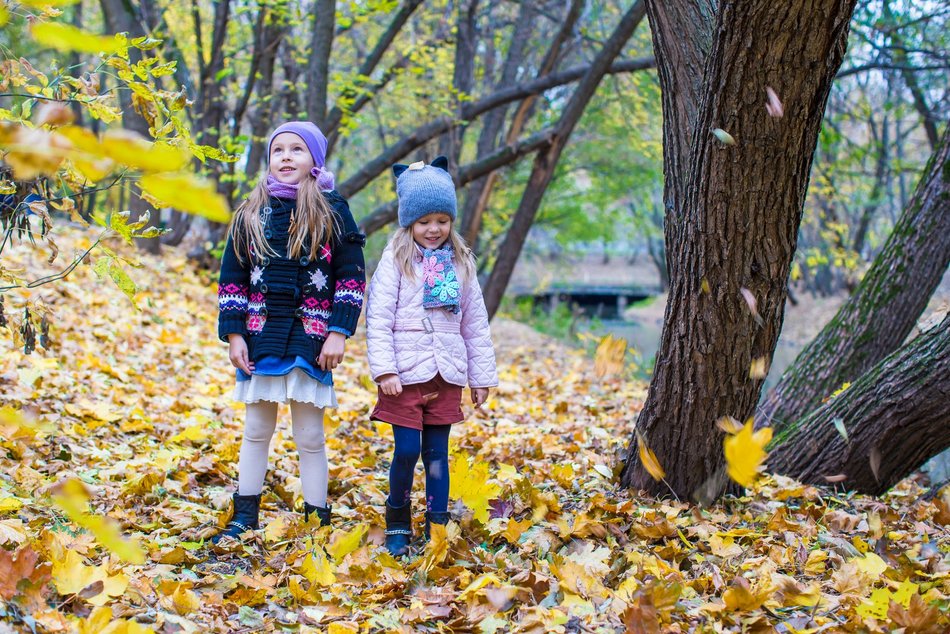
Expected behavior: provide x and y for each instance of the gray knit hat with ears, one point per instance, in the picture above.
(424, 189)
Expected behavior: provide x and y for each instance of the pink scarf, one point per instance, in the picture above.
(324, 178)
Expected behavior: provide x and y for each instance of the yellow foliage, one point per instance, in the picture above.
(187, 193)
(73, 500)
(469, 482)
(745, 453)
(67, 38)
(72, 576)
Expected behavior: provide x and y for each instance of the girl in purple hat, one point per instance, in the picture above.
(289, 295)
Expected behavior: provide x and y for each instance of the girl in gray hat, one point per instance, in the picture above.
(428, 337)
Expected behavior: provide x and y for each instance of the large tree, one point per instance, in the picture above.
(882, 311)
(736, 176)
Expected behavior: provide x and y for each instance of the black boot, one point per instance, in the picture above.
(246, 512)
(322, 512)
(398, 529)
(436, 517)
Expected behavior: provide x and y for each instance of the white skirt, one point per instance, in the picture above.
(295, 386)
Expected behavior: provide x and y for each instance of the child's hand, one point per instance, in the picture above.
(237, 352)
(479, 396)
(390, 384)
(332, 352)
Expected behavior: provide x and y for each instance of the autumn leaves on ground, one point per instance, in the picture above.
(119, 451)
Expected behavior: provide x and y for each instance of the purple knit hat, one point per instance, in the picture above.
(317, 144)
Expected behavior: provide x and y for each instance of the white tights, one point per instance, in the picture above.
(308, 435)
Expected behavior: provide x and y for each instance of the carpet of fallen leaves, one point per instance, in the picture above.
(120, 445)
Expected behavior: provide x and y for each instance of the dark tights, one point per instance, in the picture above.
(432, 443)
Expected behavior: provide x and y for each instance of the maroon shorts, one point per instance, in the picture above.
(434, 402)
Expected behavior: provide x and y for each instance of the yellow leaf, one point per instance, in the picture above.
(515, 529)
(741, 596)
(871, 563)
(470, 483)
(745, 452)
(73, 500)
(131, 150)
(759, 368)
(187, 193)
(185, 601)
(10, 503)
(609, 357)
(72, 576)
(317, 569)
(66, 38)
(648, 459)
(347, 543)
(193, 433)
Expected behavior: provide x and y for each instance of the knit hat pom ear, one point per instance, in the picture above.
(441, 162)
(398, 169)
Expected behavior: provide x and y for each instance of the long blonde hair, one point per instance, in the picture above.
(312, 223)
(405, 249)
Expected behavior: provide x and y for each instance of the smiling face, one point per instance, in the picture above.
(432, 230)
(290, 159)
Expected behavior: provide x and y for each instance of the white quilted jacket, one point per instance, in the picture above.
(417, 343)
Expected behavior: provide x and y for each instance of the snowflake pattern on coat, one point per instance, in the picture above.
(318, 279)
(256, 274)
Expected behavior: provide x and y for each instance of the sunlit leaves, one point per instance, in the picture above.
(66, 38)
(187, 193)
(72, 499)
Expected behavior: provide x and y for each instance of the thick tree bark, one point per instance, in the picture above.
(884, 308)
(736, 211)
(546, 161)
(321, 44)
(426, 132)
(896, 416)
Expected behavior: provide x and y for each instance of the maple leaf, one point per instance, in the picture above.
(344, 544)
(917, 617)
(15, 567)
(72, 576)
(469, 482)
(745, 452)
(648, 459)
(317, 568)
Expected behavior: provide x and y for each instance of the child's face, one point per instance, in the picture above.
(290, 159)
(432, 230)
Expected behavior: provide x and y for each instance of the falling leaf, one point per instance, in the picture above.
(187, 193)
(648, 459)
(751, 303)
(724, 137)
(609, 357)
(729, 424)
(773, 105)
(67, 38)
(874, 458)
(759, 368)
(72, 500)
(839, 425)
(745, 452)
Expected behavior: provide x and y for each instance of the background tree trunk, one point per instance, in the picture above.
(546, 161)
(896, 416)
(883, 309)
(321, 44)
(739, 209)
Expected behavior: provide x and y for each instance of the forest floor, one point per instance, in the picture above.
(120, 446)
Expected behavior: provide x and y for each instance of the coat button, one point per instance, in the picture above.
(304, 261)
(265, 260)
(268, 234)
(264, 288)
(298, 313)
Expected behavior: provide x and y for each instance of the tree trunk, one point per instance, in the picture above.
(735, 211)
(321, 44)
(546, 161)
(896, 416)
(492, 123)
(479, 193)
(463, 75)
(883, 309)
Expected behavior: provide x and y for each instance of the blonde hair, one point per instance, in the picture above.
(312, 223)
(405, 249)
